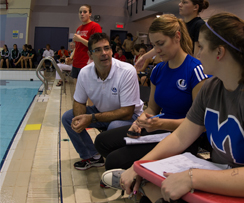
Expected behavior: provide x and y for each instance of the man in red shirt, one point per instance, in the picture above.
(81, 37)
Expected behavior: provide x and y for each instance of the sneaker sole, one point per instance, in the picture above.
(94, 165)
(109, 185)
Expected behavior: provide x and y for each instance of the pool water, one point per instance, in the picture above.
(15, 99)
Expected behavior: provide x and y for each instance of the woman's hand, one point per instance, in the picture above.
(150, 124)
(127, 179)
(134, 128)
(175, 185)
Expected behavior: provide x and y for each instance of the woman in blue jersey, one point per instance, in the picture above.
(219, 109)
(174, 85)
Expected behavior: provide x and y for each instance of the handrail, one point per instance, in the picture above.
(42, 77)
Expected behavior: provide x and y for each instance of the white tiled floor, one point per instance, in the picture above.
(33, 174)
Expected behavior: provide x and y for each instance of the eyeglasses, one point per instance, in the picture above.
(99, 50)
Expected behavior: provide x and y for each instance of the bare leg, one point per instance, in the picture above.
(30, 61)
(26, 63)
(152, 191)
(144, 80)
(16, 63)
(22, 63)
(1, 63)
(7, 62)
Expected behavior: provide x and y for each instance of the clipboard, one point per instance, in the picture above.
(196, 197)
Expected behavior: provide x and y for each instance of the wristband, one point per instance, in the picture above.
(191, 175)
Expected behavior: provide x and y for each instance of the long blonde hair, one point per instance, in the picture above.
(168, 25)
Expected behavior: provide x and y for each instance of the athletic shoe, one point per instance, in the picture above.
(111, 178)
(88, 163)
(102, 185)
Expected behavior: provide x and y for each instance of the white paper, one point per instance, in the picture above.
(21, 35)
(181, 163)
(146, 139)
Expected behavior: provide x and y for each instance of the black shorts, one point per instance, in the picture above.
(75, 72)
(129, 55)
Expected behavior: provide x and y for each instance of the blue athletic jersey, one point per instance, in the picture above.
(174, 86)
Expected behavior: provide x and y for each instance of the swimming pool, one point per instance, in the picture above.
(15, 99)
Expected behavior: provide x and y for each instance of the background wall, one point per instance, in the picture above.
(64, 13)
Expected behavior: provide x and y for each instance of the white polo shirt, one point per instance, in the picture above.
(48, 53)
(120, 89)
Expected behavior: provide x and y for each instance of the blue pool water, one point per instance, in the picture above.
(15, 99)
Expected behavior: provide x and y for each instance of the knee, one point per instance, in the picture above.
(98, 143)
(67, 117)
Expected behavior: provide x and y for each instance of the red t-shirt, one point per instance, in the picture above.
(85, 31)
(122, 58)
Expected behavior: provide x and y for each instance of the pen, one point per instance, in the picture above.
(157, 115)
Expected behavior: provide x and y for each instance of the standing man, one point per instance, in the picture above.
(127, 46)
(83, 33)
(113, 88)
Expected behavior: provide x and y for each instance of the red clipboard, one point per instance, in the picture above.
(196, 197)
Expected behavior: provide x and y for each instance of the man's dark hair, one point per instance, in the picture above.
(29, 46)
(129, 35)
(96, 38)
(62, 47)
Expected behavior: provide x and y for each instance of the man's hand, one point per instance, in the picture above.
(79, 123)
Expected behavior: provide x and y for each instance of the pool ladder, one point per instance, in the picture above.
(42, 77)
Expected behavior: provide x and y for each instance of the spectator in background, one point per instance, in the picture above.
(24, 53)
(62, 66)
(31, 57)
(142, 51)
(119, 55)
(63, 53)
(127, 46)
(81, 37)
(72, 47)
(4, 56)
(15, 55)
(46, 53)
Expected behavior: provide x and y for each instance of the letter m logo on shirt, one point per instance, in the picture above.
(228, 134)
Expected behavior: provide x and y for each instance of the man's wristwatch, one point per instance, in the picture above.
(94, 120)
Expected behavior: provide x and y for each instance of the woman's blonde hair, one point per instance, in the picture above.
(168, 25)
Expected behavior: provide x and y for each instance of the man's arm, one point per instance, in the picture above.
(78, 108)
(123, 113)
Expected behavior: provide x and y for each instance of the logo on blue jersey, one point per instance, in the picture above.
(181, 84)
(226, 137)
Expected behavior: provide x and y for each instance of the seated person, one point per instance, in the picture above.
(141, 51)
(218, 109)
(119, 55)
(4, 56)
(113, 88)
(63, 53)
(46, 53)
(15, 55)
(145, 71)
(62, 66)
(23, 54)
(31, 57)
(169, 82)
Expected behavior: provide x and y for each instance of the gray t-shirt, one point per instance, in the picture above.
(222, 114)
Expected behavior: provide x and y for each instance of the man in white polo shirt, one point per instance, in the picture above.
(46, 53)
(113, 88)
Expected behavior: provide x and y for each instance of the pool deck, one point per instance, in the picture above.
(31, 173)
